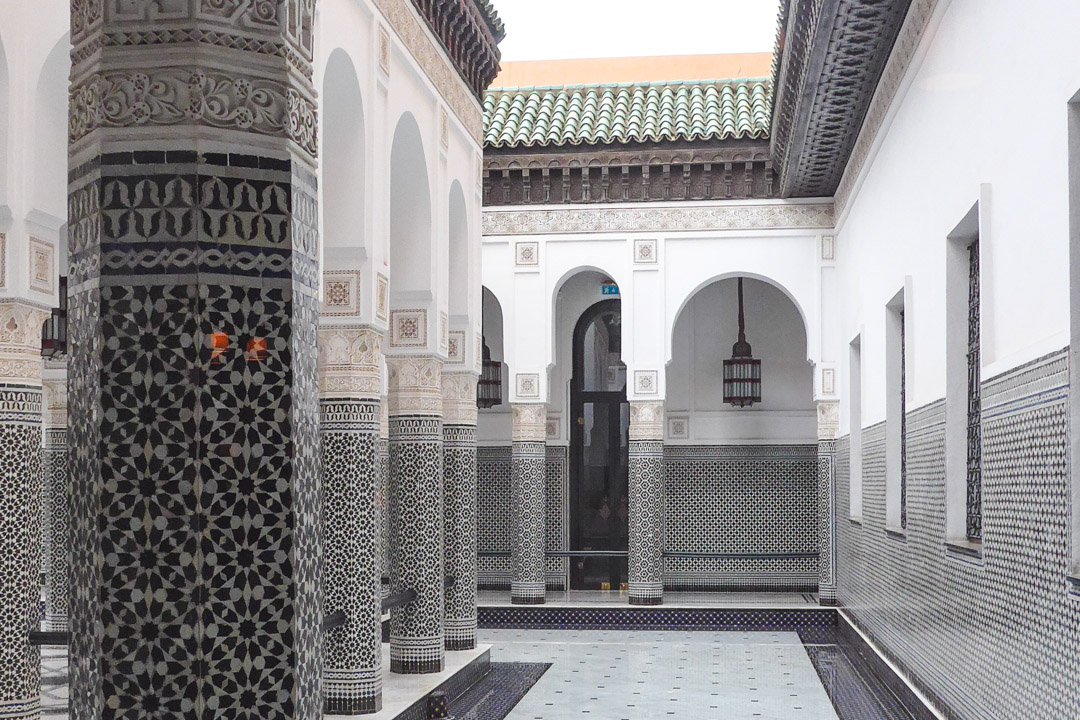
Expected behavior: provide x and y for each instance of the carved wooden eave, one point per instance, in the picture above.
(684, 170)
(831, 55)
(470, 35)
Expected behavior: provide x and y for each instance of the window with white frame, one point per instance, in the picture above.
(1074, 320)
(896, 413)
(963, 377)
(855, 421)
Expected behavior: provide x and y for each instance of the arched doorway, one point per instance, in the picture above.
(599, 461)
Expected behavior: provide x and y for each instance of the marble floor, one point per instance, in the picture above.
(676, 600)
(619, 675)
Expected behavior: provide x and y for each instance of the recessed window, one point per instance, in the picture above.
(963, 377)
(855, 421)
(1074, 344)
(896, 413)
(974, 402)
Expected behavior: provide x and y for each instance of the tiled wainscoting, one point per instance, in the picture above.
(752, 499)
(758, 500)
(992, 638)
(496, 519)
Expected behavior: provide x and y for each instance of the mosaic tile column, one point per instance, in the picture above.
(382, 505)
(416, 513)
(527, 483)
(349, 386)
(828, 426)
(20, 507)
(460, 500)
(193, 387)
(646, 503)
(54, 457)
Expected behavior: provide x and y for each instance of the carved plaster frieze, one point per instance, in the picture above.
(903, 52)
(55, 400)
(192, 96)
(530, 422)
(20, 342)
(415, 385)
(429, 57)
(647, 420)
(828, 419)
(350, 359)
(768, 216)
(286, 26)
(459, 398)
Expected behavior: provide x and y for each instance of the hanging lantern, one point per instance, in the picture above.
(489, 388)
(742, 373)
(54, 329)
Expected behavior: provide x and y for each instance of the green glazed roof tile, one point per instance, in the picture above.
(646, 112)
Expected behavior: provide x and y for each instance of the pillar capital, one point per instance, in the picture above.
(459, 398)
(350, 362)
(20, 342)
(55, 394)
(530, 422)
(415, 385)
(828, 419)
(251, 73)
(646, 419)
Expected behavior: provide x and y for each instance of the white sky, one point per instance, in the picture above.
(555, 29)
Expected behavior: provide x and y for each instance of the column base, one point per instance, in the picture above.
(416, 667)
(458, 644)
(634, 600)
(527, 593)
(352, 706)
(352, 692)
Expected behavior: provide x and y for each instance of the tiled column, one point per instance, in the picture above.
(646, 503)
(54, 457)
(349, 384)
(194, 401)
(20, 507)
(382, 459)
(828, 425)
(528, 503)
(459, 497)
(416, 512)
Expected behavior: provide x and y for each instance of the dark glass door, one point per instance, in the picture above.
(599, 500)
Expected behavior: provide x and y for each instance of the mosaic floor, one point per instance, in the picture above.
(613, 675)
(812, 674)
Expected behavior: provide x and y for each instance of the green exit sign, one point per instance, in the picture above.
(611, 289)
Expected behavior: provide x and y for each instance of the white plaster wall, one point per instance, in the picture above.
(33, 137)
(703, 335)
(353, 27)
(982, 113)
(538, 330)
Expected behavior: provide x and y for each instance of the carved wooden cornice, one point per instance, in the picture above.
(470, 35)
(831, 55)
(629, 173)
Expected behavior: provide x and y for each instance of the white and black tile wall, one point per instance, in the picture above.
(20, 535)
(54, 457)
(719, 499)
(496, 522)
(459, 487)
(996, 637)
(741, 500)
(352, 672)
(221, 534)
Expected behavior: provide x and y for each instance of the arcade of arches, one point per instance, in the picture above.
(341, 374)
